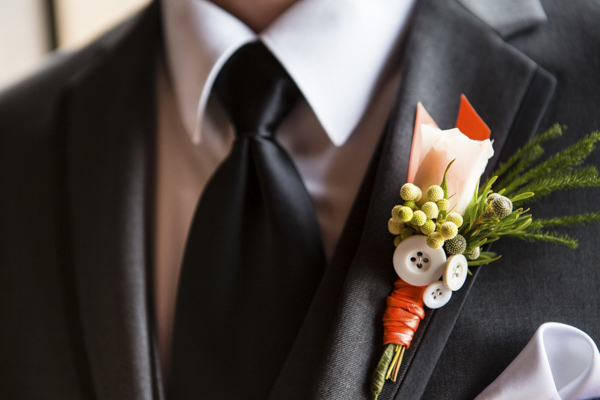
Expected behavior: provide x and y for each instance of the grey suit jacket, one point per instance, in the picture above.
(77, 166)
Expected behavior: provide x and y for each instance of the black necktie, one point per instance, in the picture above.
(254, 256)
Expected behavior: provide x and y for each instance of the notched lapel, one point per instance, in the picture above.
(109, 134)
(449, 52)
(508, 17)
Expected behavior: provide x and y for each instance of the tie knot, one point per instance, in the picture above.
(255, 90)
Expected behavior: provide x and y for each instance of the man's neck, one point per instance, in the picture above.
(257, 14)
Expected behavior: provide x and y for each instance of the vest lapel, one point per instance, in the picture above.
(449, 52)
(109, 137)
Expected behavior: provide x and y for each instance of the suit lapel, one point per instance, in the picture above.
(109, 127)
(449, 51)
(110, 156)
(511, 98)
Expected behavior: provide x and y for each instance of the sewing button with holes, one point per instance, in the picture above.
(418, 264)
(455, 272)
(436, 295)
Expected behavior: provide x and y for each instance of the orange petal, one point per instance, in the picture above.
(470, 123)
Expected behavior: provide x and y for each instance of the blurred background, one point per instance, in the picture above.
(29, 29)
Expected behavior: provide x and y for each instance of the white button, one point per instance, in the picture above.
(455, 273)
(417, 263)
(436, 295)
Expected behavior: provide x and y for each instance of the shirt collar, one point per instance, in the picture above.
(335, 50)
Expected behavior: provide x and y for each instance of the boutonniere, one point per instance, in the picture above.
(447, 215)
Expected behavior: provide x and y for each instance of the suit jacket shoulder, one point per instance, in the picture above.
(31, 105)
(42, 346)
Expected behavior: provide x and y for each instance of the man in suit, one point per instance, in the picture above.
(80, 147)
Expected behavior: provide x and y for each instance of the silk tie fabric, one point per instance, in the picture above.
(254, 255)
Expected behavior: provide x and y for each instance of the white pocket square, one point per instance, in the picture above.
(559, 362)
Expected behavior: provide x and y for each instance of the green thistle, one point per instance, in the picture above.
(456, 245)
(501, 207)
(473, 254)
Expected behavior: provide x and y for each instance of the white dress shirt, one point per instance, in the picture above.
(344, 55)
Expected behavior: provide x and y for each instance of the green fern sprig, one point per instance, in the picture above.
(554, 132)
(555, 166)
(548, 236)
(579, 178)
(493, 229)
(518, 179)
(528, 158)
(579, 219)
(486, 257)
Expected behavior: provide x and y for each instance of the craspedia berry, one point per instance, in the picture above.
(502, 207)
(428, 227)
(395, 226)
(454, 217)
(435, 240)
(448, 230)
(418, 218)
(435, 193)
(409, 192)
(456, 245)
(397, 240)
(404, 214)
(473, 254)
(430, 209)
(411, 204)
(406, 233)
(419, 194)
(443, 204)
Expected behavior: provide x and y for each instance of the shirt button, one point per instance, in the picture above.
(436, 295)
(418, 264)
(455, 272)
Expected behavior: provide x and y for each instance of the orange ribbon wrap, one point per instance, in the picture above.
(403, 313)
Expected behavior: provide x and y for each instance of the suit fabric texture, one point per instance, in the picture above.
(77, 144)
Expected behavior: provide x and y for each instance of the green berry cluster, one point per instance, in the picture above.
(427, 216)
(491, 216)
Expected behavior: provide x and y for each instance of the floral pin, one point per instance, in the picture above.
(448, 215)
